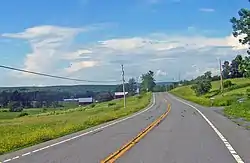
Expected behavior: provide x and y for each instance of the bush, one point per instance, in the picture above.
(111, 104)
(92, 105)
(44, 110)
(248, 93)
(227, 84)
(139, 97)
(15, 107)
(202, 87)
(23, 114)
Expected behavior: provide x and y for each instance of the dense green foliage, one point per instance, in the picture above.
(241, 26)
(148, 81)
(202, 84)
(227, 84)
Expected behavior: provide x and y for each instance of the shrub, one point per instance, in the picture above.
(92, 105)
(139, 97)
(202, 87)
(23, 114)
(227, 84)
(248, 93)
(111, 104)
(15, 107)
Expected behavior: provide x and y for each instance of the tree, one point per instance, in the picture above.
(226, 70)
(208, 75)
(148, 81)
(4, 99)
(132, 86)
(202, 84)
(216, 78)
(241, 26)
(202, 87)
(234, 67)
(244, 67)
(15, 106)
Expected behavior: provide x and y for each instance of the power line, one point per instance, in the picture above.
(54, 76)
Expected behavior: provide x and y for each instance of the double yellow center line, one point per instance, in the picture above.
(113, 157)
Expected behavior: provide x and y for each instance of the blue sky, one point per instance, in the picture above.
(89, 39)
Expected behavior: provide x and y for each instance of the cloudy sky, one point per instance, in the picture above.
(90, 39)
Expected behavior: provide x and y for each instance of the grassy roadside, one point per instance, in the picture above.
(239, 110)
(229, 96)
(233, 109)
(22, 132)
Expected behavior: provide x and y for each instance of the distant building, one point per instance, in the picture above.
(120, 94)
(85, 101)
(71, 100)
(80, 101)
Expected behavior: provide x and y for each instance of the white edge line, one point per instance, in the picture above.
(83, 134)
(225, 141)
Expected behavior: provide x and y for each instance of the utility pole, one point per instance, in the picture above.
(221, 78)
(179, 77)
(123, 85)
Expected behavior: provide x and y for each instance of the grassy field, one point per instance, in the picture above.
(229, 95)
(228, 98)
(5, 114)
(25, 131)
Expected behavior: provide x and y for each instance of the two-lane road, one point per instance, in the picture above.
(95, 146)
(184, 136)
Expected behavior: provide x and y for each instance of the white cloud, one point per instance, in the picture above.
(160, 73)
(207, 9)
(48, 45)
(124, 44)
(76, 66)
(54, 52)
(78, 54)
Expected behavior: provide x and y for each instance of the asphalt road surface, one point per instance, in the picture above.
(183, 137)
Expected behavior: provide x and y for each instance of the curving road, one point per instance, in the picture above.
(183, 137)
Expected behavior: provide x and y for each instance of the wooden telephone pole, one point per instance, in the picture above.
(123, 85)
(221, 78)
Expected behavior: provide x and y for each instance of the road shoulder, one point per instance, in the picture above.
(238, 136)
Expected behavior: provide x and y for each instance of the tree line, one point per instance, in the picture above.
(16, 100)
(147, 84)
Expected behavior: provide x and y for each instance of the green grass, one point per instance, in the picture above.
(239, 110)
(5, 114)
(229, 96)
(22, 132)
(187, 93)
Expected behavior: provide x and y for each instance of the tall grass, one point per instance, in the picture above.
(26, 131)
(239, 110)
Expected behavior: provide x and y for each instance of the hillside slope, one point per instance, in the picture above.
(238, 111)
(229, 95)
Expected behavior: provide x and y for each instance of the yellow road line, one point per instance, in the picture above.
(113, 157)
